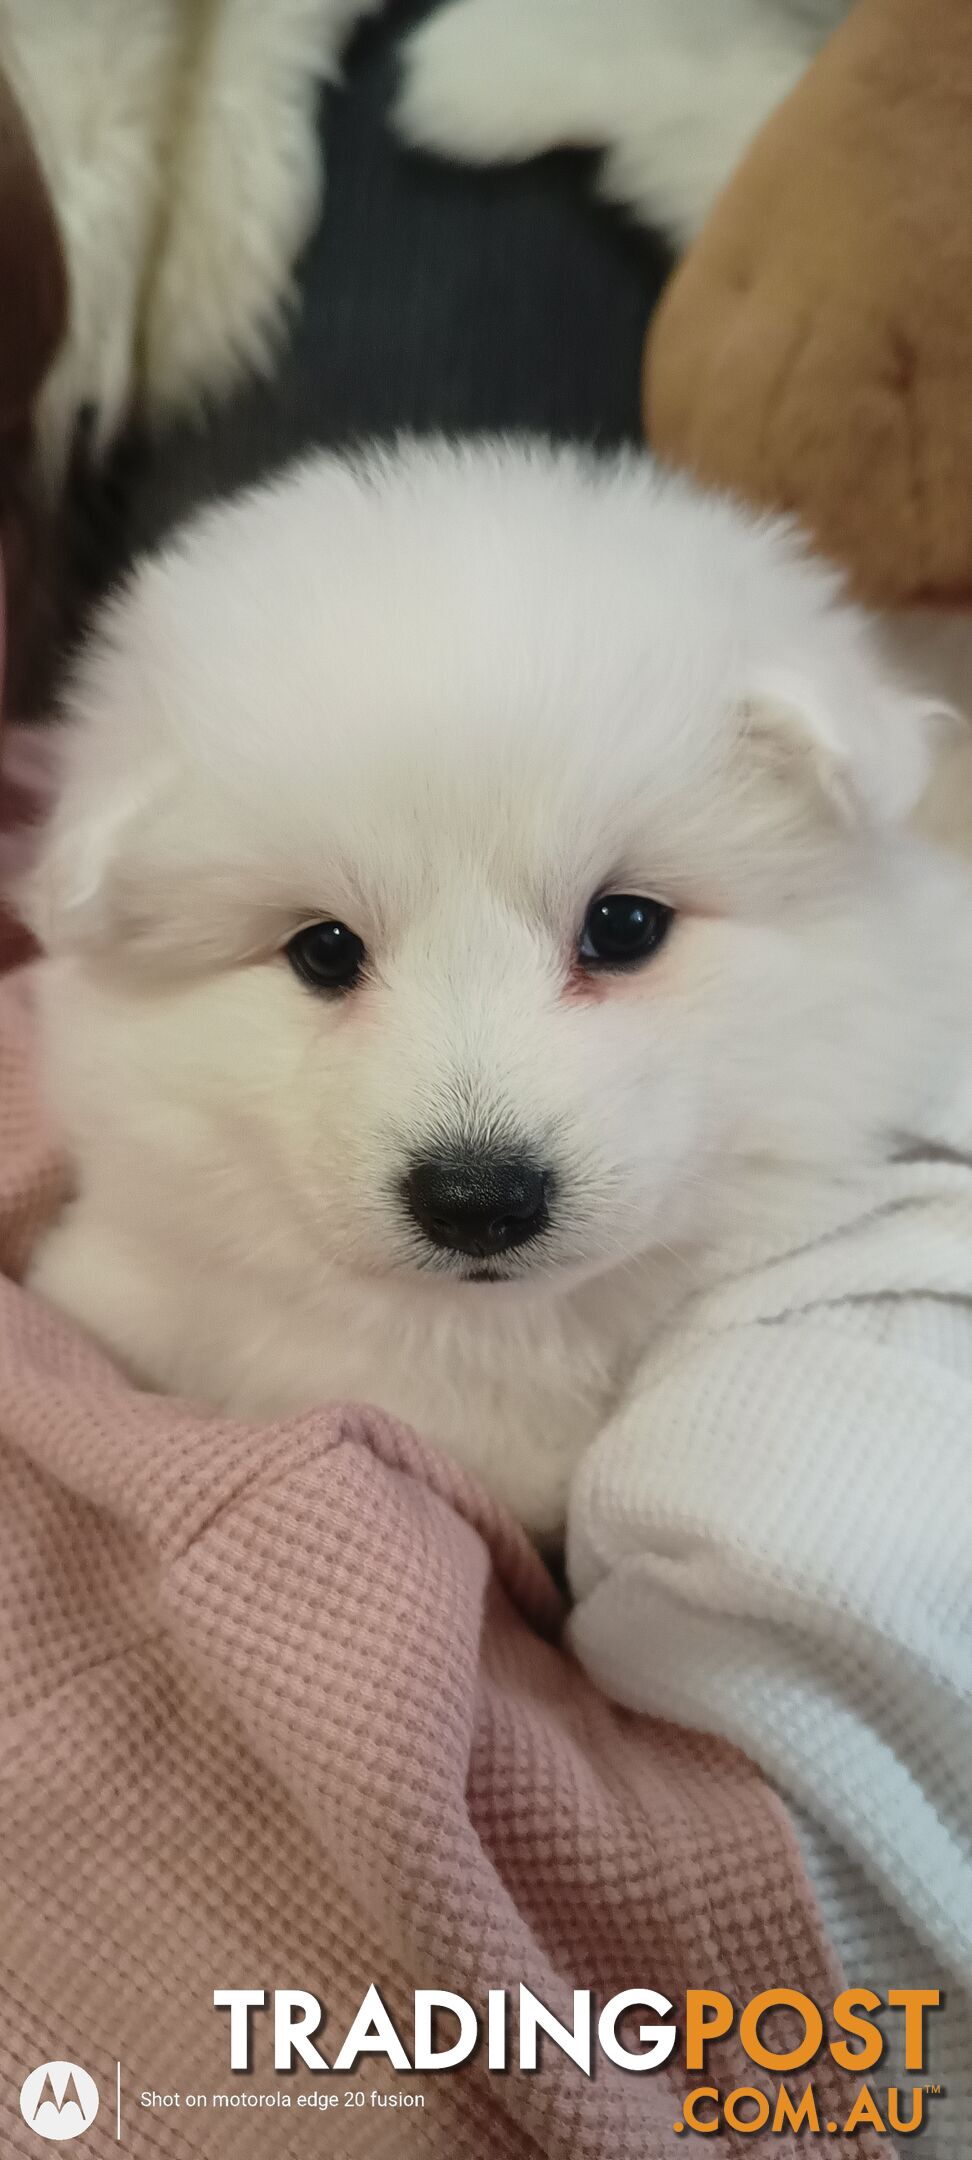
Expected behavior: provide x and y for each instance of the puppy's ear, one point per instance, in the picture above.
(859, 750)
(113, 766)
(80, 893)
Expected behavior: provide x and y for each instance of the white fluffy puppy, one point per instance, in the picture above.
(479, 886)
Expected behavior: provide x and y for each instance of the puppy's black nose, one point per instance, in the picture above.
(477, 1204)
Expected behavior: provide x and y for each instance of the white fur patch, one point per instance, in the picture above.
(179, 139)
(673, 91)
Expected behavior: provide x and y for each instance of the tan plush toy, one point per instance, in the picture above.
(813, 351)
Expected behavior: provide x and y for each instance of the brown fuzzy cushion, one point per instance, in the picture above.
(814, 350)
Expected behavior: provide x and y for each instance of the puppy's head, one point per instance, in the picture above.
(471, 861)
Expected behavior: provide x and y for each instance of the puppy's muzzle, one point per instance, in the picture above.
(478, 1204)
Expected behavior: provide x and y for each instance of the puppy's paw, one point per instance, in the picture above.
(489, 79)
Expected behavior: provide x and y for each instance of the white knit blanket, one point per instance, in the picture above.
(773, 1542)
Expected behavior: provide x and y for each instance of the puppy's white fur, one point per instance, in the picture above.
(447, 696)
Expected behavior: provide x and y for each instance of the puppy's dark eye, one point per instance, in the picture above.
(327, 955)
(623, 929)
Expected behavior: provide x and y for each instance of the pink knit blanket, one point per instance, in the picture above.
(284, 1708)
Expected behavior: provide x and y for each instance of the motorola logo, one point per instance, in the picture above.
(59, 2100)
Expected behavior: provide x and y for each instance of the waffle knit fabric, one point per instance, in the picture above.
(284, 1707)
(773, 1542)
